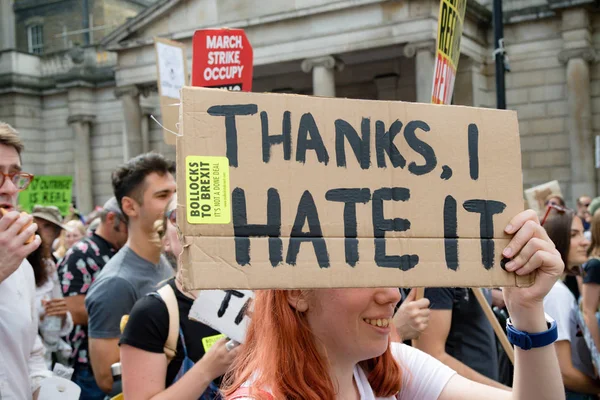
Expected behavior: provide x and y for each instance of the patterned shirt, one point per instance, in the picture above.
(77, 270)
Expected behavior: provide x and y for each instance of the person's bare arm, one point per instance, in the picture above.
(574, 379)
(590, 300)
(433, 342)
(103, 354)
(144, 373)
(76, 306)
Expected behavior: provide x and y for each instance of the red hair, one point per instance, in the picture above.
(280, 355)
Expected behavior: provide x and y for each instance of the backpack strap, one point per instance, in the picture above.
(168, 295)
(245, 393)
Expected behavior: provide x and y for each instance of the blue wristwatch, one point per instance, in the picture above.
(527, 340)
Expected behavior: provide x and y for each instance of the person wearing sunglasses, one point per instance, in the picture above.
(566, 231)
(23, 367)
(194, 371)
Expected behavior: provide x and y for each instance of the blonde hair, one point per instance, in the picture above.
(10, 137)
(73, 225)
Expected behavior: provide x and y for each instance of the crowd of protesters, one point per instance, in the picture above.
(100, 294)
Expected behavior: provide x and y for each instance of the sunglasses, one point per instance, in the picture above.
(550, 207)
(172, 216)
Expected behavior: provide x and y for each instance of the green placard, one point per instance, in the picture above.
(48, 190)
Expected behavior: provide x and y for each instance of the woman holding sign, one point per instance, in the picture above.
(566, 231)
(151, 368)
(335, 343)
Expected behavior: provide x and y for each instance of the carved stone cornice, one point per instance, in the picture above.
(131, 90)
(586, 53)
(83, 118)
(410, 49)
(328, 62)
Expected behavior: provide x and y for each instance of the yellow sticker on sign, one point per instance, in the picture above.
(209, 341)
(207, 190)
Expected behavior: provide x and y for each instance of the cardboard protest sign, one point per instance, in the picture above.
(222, 58)
(450, 26)
(288, 191)
(226, 311)
(48, 190)
(537, 195)
(172, 76)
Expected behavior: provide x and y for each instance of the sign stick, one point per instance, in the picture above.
(495, 324)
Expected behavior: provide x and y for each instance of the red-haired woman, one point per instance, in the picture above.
(334, 343)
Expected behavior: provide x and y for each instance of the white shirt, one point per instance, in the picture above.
(22, 366)
(560, 304)
(423, 377)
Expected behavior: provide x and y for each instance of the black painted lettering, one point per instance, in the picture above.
(307, 212)
(450, 233)
(384, 144)
(226, 300)
(230, 112)
(243, 231)
(487, 209)
(308, 127)
(420, 147)
(350, 197)
(361, 146)
(382, 225)
(243, 312)
(270, 140)
(473, 151)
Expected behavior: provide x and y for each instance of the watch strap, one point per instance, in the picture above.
(526, 340)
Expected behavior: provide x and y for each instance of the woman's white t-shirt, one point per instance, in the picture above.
(423, 377)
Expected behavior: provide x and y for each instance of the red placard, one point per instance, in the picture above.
(222, 58)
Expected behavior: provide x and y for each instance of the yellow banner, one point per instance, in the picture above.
(450, 27)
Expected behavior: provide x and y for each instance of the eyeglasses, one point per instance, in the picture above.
(549, 207)
(172, 216)
(20, 179)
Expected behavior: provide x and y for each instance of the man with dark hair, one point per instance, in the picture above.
(143, 188)
(77, 271)
(460, 336)
(21, 351)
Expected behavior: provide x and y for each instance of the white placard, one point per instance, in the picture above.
(56, 388)
(224, 311)
(171, 69)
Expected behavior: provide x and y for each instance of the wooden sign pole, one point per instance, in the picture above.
(495, 324)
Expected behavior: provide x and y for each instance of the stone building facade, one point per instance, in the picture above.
(44, 27)
(83, 112)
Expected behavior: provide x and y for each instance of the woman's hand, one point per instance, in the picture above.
(218, 359)
(530, 251)
(412, 317)
(57, 307)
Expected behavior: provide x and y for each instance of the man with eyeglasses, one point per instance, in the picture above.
(22, 366)
(77, 270)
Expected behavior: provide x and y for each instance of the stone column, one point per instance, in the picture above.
(145, 124)
(81, 125)
(577, 54)
(424, 54)
(323, 73)
(7, 26)
(132, 116)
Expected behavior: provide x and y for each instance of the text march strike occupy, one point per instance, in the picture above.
(330, 179)
(222, 58)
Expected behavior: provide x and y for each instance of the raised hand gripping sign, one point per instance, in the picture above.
(287, 191)
(227, 311)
